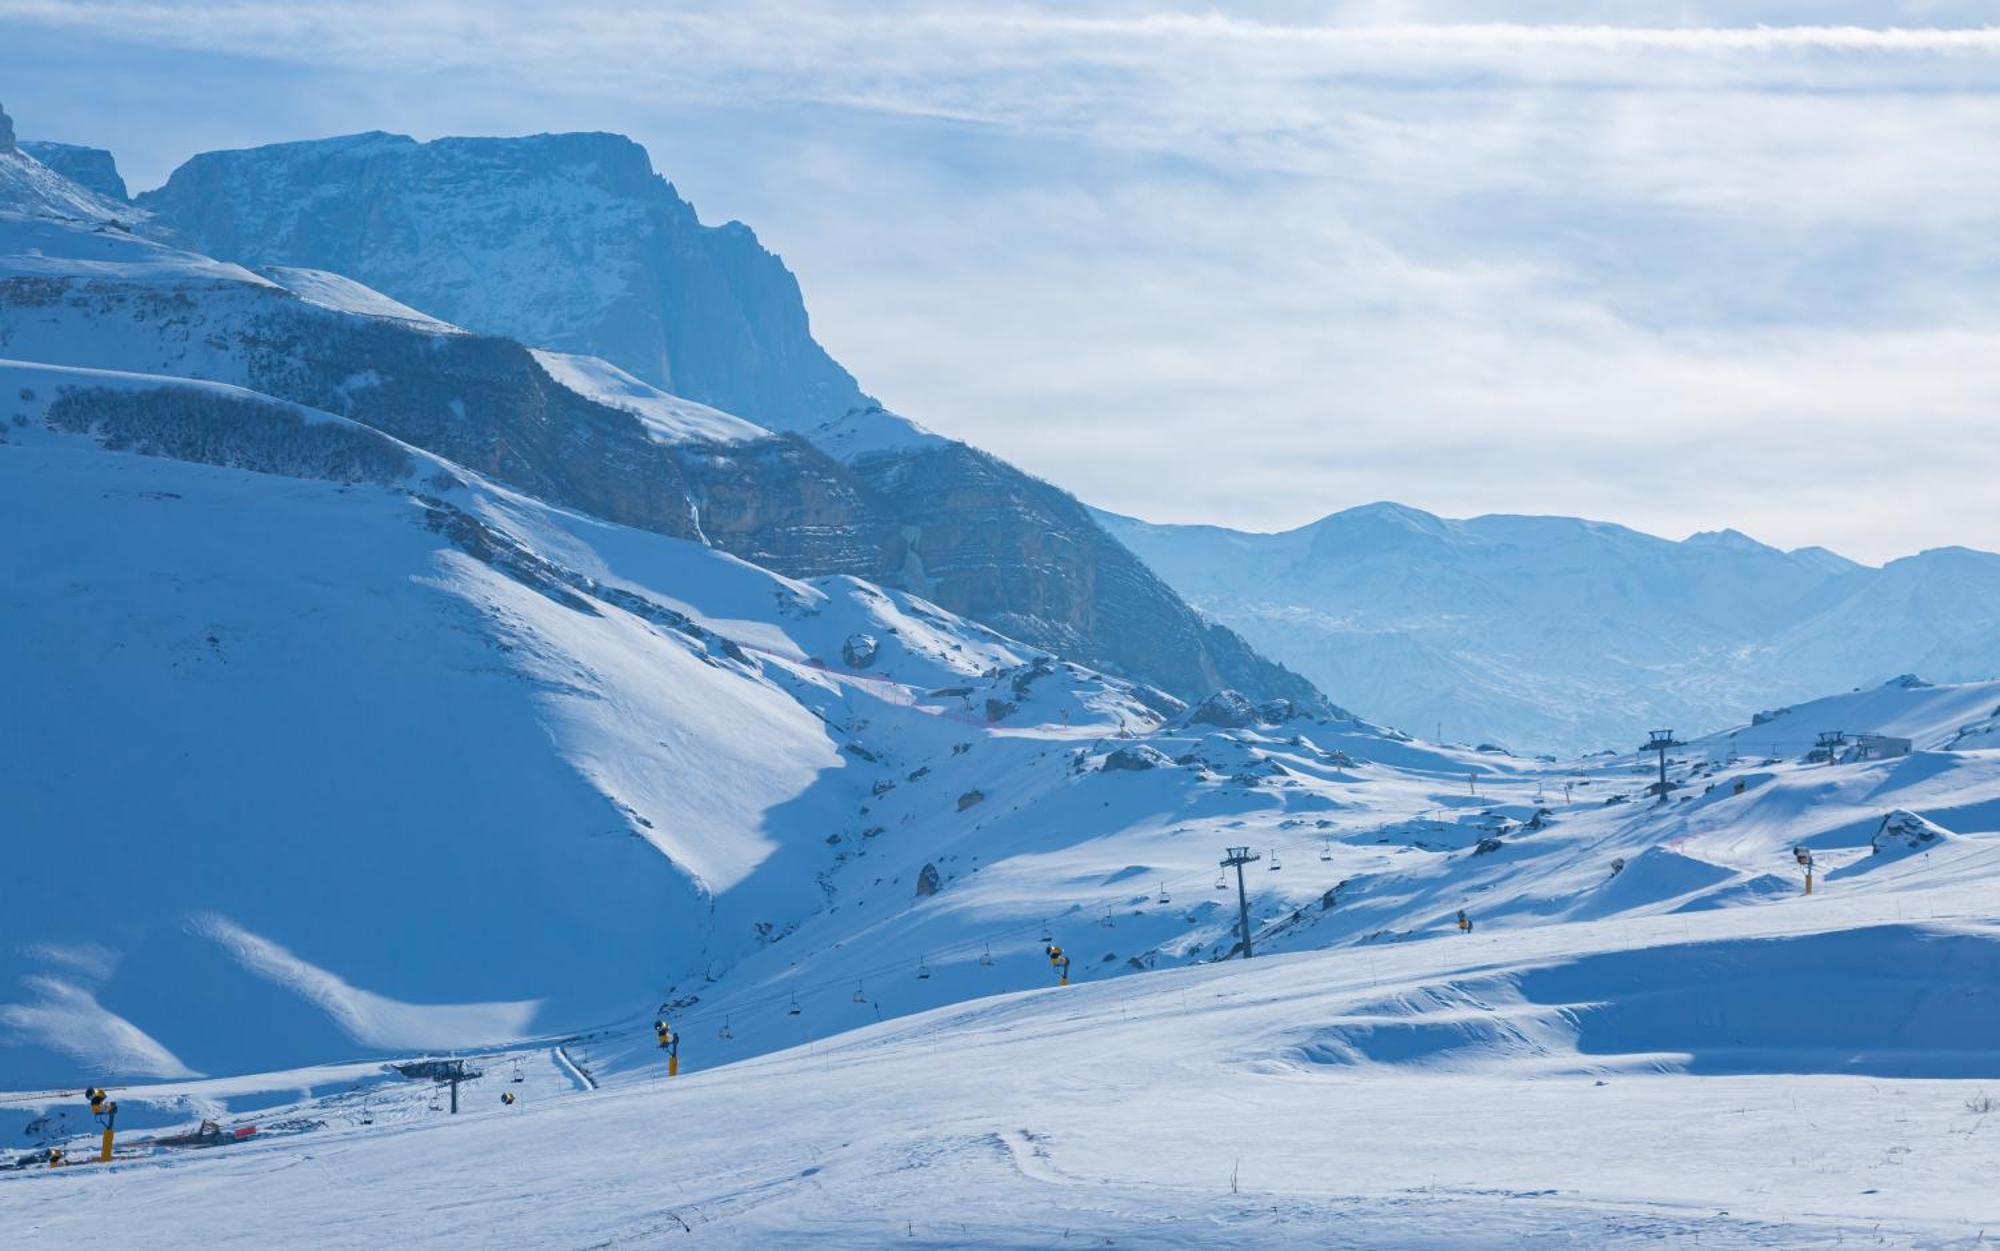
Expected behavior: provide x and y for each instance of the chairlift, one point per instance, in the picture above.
(859, 995)
(517, 1072)
(923, 970)
(1275, 866)
(1220, 884)
(1164, 897)
(794, 1009)
(1046, 936)
(725, 1033)
(986, 956)
(1107, 922)
(1326, 850)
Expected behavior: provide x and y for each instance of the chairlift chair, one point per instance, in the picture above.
(794, 1009)
(1326, 850)
(1275, 866)
(1164, 897)
(1220, 883)
(859, 995)
(1046, 936)
(724, 1033)
(923, 970)
(986, 956)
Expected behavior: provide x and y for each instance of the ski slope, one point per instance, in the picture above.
(327, 755)
(1518, 1088)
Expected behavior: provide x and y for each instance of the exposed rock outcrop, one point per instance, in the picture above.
(88, 167)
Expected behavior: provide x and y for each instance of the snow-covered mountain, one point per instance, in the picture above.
(275, 508)
(871, 495)
(376, 689)
(1556, 633)
(567, 242)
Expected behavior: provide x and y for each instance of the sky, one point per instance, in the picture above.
(1683, 266)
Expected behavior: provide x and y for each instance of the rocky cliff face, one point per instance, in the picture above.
(91, 168)
(569, 242)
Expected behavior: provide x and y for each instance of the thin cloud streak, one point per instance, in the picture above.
(781, 36)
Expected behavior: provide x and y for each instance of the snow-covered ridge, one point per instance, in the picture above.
(873, 431)
(667, 418)
(344, 295)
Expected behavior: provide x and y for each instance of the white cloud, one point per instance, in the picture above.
(1252, 266)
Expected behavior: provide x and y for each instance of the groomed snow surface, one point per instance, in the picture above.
(1527, 1088)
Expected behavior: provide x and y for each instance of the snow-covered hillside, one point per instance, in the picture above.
(1546, 633)
(1665, 1059)
(437, 762)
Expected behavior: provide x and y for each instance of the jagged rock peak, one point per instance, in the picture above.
(6, 131)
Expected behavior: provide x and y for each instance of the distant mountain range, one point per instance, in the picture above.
(1562, 634)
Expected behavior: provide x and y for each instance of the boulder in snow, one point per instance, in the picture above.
(1903, 831)
(928, 881)
(1135, 758)
(859, 651)
(1228, 709)
(1277, 711)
